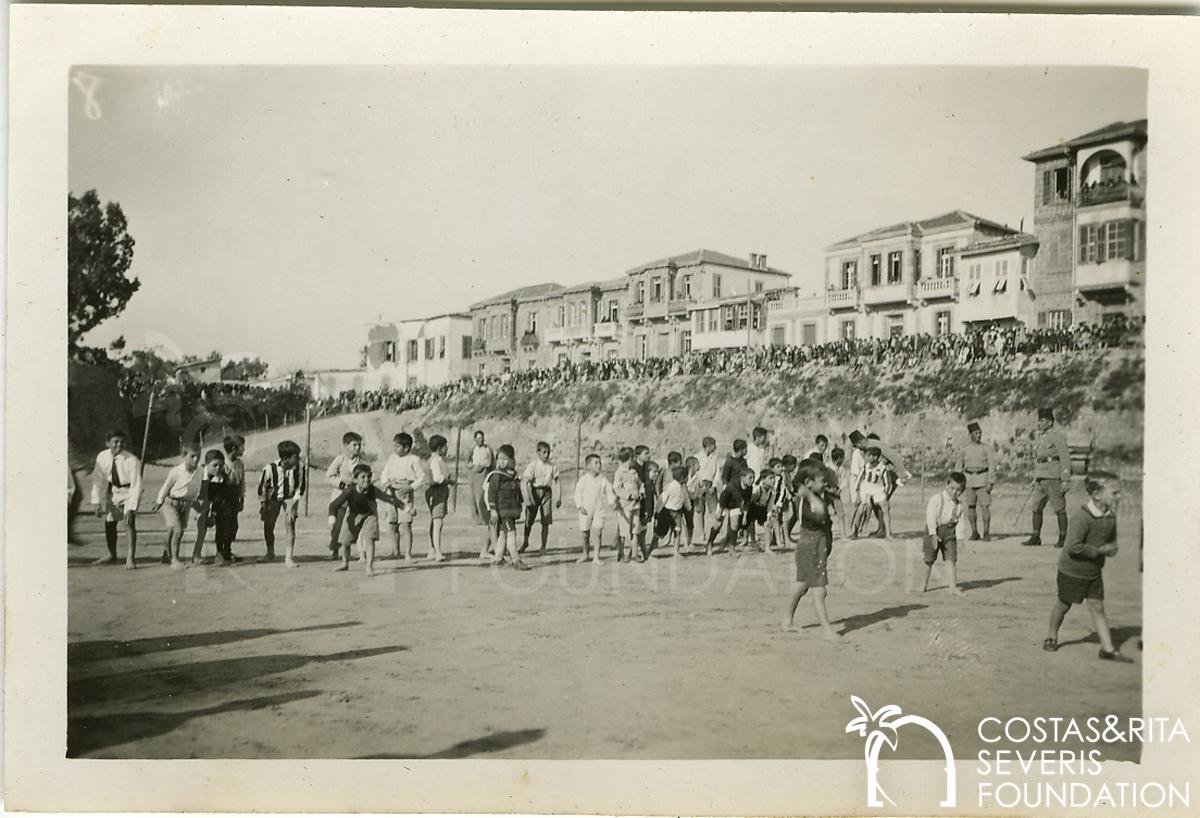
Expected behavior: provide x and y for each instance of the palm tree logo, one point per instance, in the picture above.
(879, 729)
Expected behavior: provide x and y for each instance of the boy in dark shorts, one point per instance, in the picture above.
(812, 541)
(504, 501)
(354, 515)
(219, 505)
(280, 489)
(437, 495)
(732, 502)
(543, 494)
(1091, 538)
(941, 522)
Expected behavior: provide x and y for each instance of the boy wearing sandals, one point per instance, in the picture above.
(1091, 539)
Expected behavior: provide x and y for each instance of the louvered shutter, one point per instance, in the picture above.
(1083, 244)
(1130, 239)
(1101, 243)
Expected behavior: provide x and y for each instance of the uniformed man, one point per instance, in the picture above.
(1051, 476)
(976, 462)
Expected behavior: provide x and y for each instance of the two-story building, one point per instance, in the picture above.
(903, 278)
(795, 318)
(502, 328)
(733, 321)
(419, 351)
(1090, 218)
(585, 322)
(662, 294)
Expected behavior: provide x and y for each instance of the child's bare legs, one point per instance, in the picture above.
(369, 547)
(885, 512)
(952, 578)
(406, 538)
(823, 615)
(1100, 624)
(289, 531)
(585, 541)
(435, 538)
(131, 537)
(599, 542)
(391, 538)
(488, 539)
(545, 535)
(735, 519)
(1057, 613)
(343, 552)
(799, 589)
(928, 574)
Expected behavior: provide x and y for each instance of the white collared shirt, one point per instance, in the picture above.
(709, 464)
(180, 484)
(129, 470)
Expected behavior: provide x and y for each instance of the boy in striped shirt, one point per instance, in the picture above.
(280, 489)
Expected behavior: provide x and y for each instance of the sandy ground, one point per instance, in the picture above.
(674, 659)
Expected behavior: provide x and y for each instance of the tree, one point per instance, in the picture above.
(244, 370)
(99, 253)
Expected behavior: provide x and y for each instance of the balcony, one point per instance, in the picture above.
(1117, 274)
(634, 311)
(931, 288)
(887, 293)
(679, 306)
(842, 299)
(606, 330)
(502, 345)
(1107, 192)
(529, 341)
(554, 335)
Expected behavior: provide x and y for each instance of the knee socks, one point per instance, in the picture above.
(110, 537)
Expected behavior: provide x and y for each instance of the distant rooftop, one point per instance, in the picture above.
(519, 294)
(1109, 133)
(997, 245)
(701, 256)
(955, 218)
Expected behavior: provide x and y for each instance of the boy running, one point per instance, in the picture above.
(358, 508)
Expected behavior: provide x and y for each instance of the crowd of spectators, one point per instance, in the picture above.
(993, 346)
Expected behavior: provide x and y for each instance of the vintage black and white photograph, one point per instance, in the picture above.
(605, 412)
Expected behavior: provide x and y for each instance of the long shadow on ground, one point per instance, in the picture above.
(1120, 635)
(104, 649)
(167, 683)
(87, 734)
(493, 743)
(973, 584)
(853, 623)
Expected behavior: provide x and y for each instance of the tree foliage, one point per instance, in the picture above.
(247, 369)
(99, 253)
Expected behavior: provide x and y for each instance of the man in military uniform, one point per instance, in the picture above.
(1051, 476)
(976, 462)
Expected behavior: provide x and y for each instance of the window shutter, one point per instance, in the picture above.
(1101, 243)
(1047, 186)
(1130, 227)
(1141, 240)
(1083, 243)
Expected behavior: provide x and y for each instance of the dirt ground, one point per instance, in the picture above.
(673, 659)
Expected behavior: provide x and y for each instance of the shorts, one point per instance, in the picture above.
(756, 514)
(646, 512)
(271, 510)
(944, 542)
(811, 555)
(507, 524)
(592, 520)
(1049, 490)
(542, 503)
(668, 520)
(874, 494)
(625, 522)
(706, 499)
(437, 497)
(392, 516)
(1073, 590)
(114, 510)
(367, 526)
(981, 496)
(175, 513)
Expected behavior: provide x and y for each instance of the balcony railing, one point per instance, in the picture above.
(887, 293)
(554, 335)
(634, 311)
(606, 329)
(1105, 192)
(1110, 275)
(937, 287)
(842, 299)
(529, 340)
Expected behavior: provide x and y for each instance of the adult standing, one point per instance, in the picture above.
(481, 463)
(1051, 476)
(976, 462)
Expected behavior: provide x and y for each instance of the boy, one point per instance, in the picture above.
(437, 495)
(817, 452)
(357, 507)
(811, 550)
(651, 497)
(235, 471)
(280, 489)
(873, 494)
(504, 502)
(340, 476)
(543, 492)
(708, 473)
(840, 487)
(219, 503)
(695, 492)
(1091, 538)
(941, 521)
(733, 501)
(593, 498)
(775, 497)
(116, 492)
(675, 505)
(647, 503)
(483, 460)
(627, 487)
(176, 498)
(402, 475)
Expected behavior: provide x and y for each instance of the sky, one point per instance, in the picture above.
(278, 212)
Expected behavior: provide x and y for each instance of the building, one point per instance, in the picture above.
(496, 347)
(733, 321)
(585, 322)
(994, 285)
(1090, 219)
(200, 371)
(419, 351)
(903, 278)
(794, 319)
(662, 294)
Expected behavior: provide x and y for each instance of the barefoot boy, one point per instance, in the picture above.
(627, 486)
(280, 490)
(504, 502)
(1091, 538)
(437, 495)
(402, 476)
(235, 472)
(340, 476)
(543, 492)
(116, 491)
(941, 521)
(176, 498)
(218, 507)
(811, 547)
(873, 494)
(593, 498)
(358, 508)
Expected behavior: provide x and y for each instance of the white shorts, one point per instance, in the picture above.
(592, 520)
(873, 493)
(115, 507)
(390, 515)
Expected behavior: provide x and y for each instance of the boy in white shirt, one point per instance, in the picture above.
(176, 498)
(542, 493)
(674, 501)
(340, 476)
(709, 467)
(402, 475)
(594, 497)
(116, 492)
(437, 495)
(941, 522)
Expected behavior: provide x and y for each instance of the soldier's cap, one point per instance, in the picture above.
(1045, 414)
(973, 427)
(856, 436)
